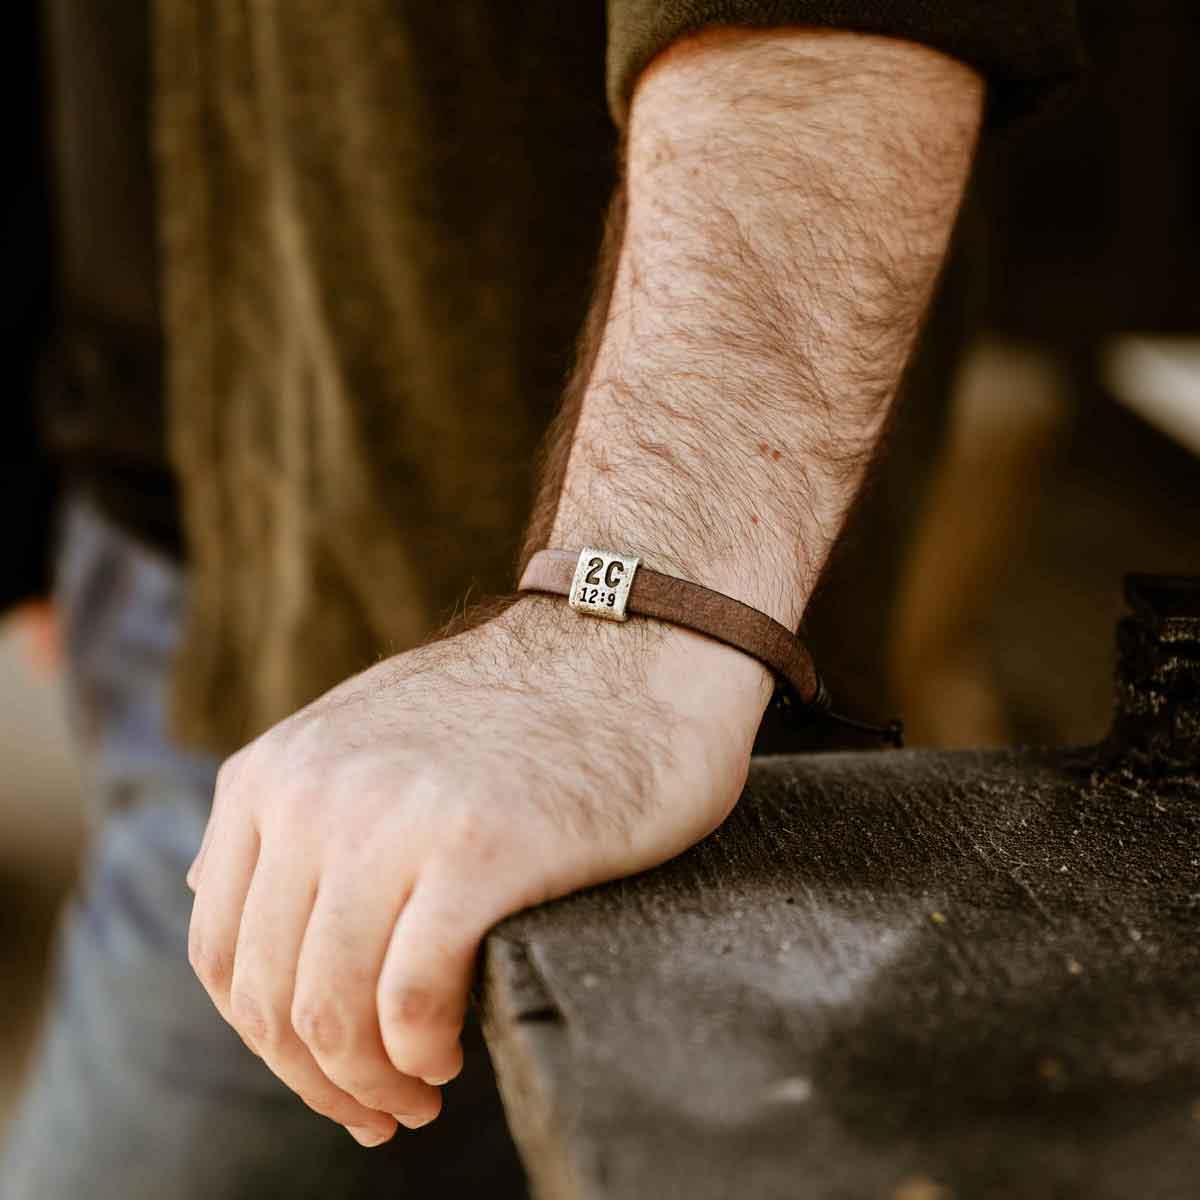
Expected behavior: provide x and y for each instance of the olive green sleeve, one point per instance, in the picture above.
(1026, 49)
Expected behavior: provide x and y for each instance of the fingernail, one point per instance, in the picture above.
(436, 1082)
(412, 1122)
(367, 1137)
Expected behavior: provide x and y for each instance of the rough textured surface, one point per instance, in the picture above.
(897, 975)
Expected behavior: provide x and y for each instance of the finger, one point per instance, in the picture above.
(426, 978)
(193, 872)
(217, 910)
(221, 791)
(333, 1010)
(278, 905)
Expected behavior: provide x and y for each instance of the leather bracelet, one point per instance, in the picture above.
(615, 586)
(601, 583)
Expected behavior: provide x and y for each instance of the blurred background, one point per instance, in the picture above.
(1048, 440)
(41, 833)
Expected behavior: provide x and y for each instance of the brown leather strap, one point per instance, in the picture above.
(692, 606)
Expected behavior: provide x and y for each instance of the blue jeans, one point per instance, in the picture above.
(138, 1088)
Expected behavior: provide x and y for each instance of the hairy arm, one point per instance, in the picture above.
(787, 202)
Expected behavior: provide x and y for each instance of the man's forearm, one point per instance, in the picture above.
(789, 197)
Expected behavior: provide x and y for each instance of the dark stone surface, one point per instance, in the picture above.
(900, 974)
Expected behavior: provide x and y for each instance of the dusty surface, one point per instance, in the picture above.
(896, 975)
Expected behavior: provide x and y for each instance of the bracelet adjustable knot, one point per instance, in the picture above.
(613, 587)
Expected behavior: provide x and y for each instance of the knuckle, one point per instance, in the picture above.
(254, 1020)
(303, 740)
(472, 831)
(225, 776)
(424, 785)
(213, 967)
(230, 771)
(410, 1005)
(320, 1027)
(471, 842)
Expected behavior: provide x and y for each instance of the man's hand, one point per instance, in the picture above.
(358, 852)
(789, 199)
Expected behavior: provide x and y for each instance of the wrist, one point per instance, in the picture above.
(642, 662)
